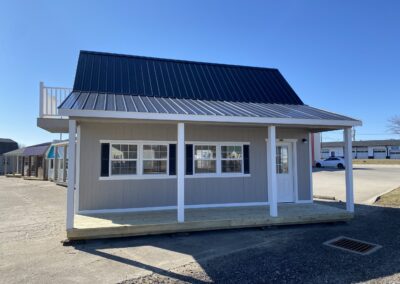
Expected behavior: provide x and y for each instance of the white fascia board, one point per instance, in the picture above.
(206, 118)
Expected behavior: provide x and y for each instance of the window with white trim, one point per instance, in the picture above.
(232, 159)
(155, 159)
(205, 159)
(124, 159)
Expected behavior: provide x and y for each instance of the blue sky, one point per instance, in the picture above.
(342, 56)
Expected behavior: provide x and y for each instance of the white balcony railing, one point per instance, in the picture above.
(49, 99)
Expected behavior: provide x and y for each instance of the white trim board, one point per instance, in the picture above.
(161, 208)
(206, 118)
(196, 206)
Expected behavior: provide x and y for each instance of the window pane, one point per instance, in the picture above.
(231, 152)
(123, 167)
(205, 166)
(154, 167)
(231, 166)
(126, 151)
(155, 152)
(282, 163)
(205, 152)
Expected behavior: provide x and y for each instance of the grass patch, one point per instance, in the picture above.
(390, 198)
(376, 162)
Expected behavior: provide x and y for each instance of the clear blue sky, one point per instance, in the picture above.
(343, 56)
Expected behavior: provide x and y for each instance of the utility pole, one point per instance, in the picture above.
(354, 134)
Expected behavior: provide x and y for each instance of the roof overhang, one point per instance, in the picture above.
(331, 123)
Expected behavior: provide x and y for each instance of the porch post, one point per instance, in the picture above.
(64, 163)
(77, 165)
(5, 165)
(71, 175)
(349, 169)
(181, 172)
(271, 169)
(55, 169)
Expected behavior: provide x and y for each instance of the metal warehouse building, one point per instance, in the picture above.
(371, 149)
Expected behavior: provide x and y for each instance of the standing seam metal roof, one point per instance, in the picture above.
(154, 77)
(130, 103)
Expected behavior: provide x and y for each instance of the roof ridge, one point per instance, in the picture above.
(176, 60)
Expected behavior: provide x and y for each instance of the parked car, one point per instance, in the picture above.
(331, 162)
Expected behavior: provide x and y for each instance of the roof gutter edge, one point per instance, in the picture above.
(206, 118)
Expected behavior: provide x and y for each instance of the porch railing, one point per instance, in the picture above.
(49, 99)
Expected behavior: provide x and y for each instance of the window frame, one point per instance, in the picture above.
(110, 160)
(139, 161)
(230, 159)
(142, 159)
(218, 172)
(141, 176)
(216, 158)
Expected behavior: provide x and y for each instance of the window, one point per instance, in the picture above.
(155, 159)
(282, 162)
(231, 159)
(205, 159)
(51, 164)
(123, 159)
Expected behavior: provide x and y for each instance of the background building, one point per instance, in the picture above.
(370, 149)
(6, 145)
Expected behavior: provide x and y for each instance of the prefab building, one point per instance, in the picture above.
(57, 162)
(168, 145)
(13, 162)
(34, 161)
(6, 145)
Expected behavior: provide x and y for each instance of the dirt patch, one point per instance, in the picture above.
(390, 199)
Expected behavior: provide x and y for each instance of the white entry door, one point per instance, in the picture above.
(284, 172)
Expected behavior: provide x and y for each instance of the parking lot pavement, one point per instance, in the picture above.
(370, 181)
(32, 226)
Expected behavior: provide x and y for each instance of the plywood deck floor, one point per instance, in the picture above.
(160, 222)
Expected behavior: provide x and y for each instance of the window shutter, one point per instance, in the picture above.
(105, 159)
(172, 159)
(246, 159)
(189, 159)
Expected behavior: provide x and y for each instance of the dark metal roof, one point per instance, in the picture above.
(17, 152)
(6, 140)
(36, 150)
(142, 104)
(366, 143)
(154, 77)
(7, 145)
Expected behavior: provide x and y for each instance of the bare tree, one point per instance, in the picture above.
(394, 124)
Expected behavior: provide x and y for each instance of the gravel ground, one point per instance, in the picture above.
(296, 255)
(32, 224)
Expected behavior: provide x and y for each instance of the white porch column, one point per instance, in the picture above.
(348, 156)
(271, 170)
(71, 174)
(181, 172)
(77, 167)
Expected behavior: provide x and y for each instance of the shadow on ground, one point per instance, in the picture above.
(279, 254)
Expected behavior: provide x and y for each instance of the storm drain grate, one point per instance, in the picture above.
(353, 245)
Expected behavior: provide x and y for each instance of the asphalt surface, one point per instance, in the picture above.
(296, 254)
(370, 181)
(32, 222)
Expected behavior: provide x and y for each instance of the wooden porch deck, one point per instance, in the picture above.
(110, 225)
